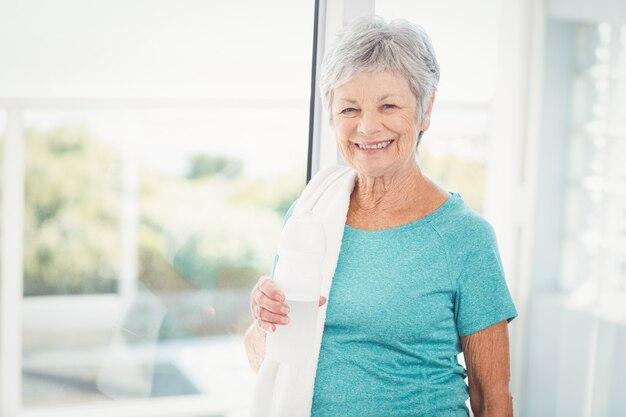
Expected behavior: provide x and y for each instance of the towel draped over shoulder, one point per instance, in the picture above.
(286, 390)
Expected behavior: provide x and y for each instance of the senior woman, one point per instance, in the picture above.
(418, 277)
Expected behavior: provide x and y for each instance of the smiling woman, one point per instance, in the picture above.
(413, 276)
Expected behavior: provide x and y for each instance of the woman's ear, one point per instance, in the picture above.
(425, 122)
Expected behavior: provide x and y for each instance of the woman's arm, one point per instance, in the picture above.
(261, 299)
(487, 359)
(255, 346)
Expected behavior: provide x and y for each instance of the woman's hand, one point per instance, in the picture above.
(267, 304)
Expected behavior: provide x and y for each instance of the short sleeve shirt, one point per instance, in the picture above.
(400, 300)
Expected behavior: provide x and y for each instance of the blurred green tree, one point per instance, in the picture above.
(458, 174)
(71, 214)
(277, 194)
(210, 229)
(201, 166)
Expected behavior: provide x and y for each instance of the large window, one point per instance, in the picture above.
(594, 259)
(153, 229)
(162, 144)
(576, 273)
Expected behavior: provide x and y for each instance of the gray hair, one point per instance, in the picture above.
(371, 44)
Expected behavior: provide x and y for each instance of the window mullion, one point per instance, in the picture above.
(11, 283)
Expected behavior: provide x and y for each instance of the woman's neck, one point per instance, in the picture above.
(388, 194)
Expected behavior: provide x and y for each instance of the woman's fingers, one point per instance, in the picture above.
(254, 293)
(268, 305)
(268, 316)
(271, 298)
(271, 305)
(265, 326)
(271, 290)
(267, 320)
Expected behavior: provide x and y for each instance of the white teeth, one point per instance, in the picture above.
(377, 146)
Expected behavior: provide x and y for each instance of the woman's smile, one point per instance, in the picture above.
(374, 147)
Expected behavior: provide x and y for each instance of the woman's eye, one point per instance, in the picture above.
(349, 111)
(389, 106)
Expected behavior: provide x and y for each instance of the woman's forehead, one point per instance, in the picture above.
(349, 99)
(374, 86)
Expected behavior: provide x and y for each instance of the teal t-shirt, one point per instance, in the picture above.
(399, 301)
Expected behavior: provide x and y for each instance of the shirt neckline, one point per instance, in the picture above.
(454, 199)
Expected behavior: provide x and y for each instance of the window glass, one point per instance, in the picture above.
(145, 230)
(594, 257)
(72, 212)
(454, 151)
(155, 190)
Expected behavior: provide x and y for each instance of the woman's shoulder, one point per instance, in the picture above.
(329, 181)
(461, 223)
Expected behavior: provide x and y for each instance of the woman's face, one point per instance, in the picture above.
(375, 119)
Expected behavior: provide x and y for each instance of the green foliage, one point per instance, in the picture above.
(71, 214)
(457, 174)
(201, 166)
(195, 265)
(206, 233)
(278, 194)
(198, 232)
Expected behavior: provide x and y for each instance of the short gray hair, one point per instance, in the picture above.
(371, 44)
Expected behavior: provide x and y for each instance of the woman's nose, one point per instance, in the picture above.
(369, 123)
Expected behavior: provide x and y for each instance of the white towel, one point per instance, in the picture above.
(286, 390)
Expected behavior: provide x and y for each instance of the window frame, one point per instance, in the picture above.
(11, 273)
